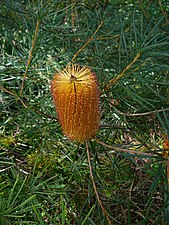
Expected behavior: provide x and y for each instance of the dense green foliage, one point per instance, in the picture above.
(44, 178)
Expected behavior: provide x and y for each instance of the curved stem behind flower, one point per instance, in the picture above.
(94, 185)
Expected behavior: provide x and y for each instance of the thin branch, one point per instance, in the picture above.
(100, 38)
(90, 39)
(117, 149)
(104, 38)
(44, 114)
(30, 55)
(11, 93)
(143, 64)
(140, 114)
(94, 185)
(163, 12)
(26, 106)
(142, 8)
(111, 82)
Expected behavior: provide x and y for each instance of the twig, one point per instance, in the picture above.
(122, 73)
(94, 185)
(44, 114)
(30, 55)
(140, 114)
(11, 93)
(104, 38)
(77, 53)
(163, 12)
(142, 8)
(117, 149)
(100, 38)
(141, 65)
(26, 106)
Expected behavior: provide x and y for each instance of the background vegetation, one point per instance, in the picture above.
(44, 177)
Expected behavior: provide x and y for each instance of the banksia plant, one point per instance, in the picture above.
(76, 97)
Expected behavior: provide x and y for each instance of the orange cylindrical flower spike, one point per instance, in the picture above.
(76, 97)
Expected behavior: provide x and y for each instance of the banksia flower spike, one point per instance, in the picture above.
(76, 97)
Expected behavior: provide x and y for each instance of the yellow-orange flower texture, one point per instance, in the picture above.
(75, 94)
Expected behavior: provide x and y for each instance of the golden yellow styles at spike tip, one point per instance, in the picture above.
(75, 94)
